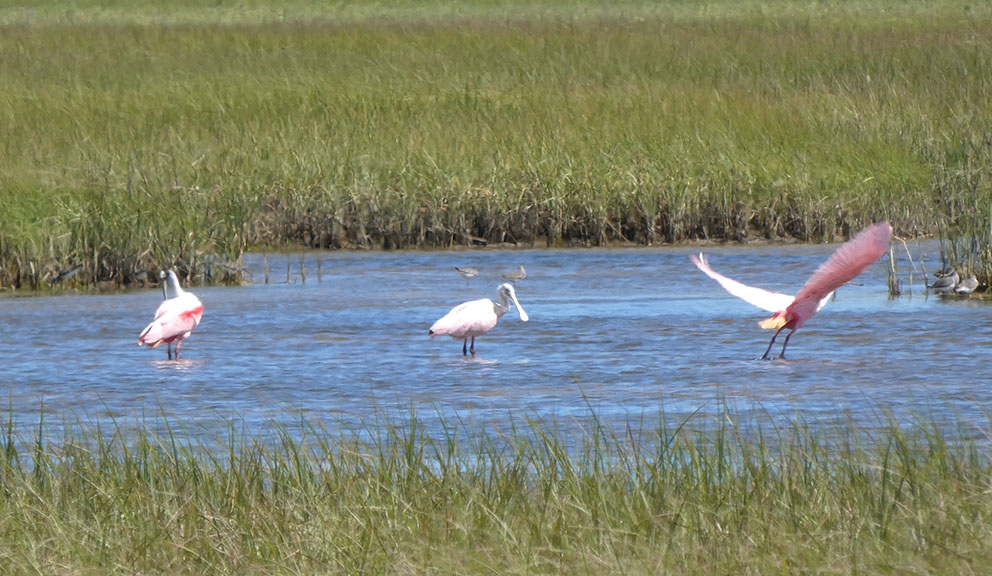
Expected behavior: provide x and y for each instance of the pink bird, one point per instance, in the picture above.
(845, 264)
(477, 317)
(175, 318)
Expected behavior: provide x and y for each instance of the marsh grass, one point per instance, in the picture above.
(136, 137)
(698, 498)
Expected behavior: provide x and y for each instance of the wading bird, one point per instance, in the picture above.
(175, 318)
(945, 282)
(967, 286)
(516, 275)
(845, 264)
(467, 273)
(66, 274)
(477, 317)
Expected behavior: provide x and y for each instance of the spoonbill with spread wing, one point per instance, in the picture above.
(476, 318)
(844, 265)
(175, 318)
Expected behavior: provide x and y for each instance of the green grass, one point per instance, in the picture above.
(137, 135)
(707, 497)
(266, 11)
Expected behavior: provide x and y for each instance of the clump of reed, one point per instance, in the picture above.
(133, 143)
(697, 497)
(965, 222)
(118, 239)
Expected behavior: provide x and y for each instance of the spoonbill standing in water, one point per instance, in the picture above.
(845, 264)
(477, 317)
(175, 318)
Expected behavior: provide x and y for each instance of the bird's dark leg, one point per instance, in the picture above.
(168, 349)
(465, 347)
(769, 349)
(472, 349)
(786, 343)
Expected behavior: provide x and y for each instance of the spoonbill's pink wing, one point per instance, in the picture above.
(770, 301)
(175, 318)
(847, 262)
(469, 319)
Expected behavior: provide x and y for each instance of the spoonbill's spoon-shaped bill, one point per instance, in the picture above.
(477, 317)
(845, 264)
(175, 318)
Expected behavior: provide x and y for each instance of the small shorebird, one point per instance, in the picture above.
(66, 274)
(467, 272)
(945, 282)
(967, 286)
(516, 275)
(175, 318)
(476, 318)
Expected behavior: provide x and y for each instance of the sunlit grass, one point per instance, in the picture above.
(701, 497)
(136, 136)
(265, 11)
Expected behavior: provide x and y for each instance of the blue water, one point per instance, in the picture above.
(622, 336)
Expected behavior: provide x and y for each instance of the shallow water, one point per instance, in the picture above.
(620, 335)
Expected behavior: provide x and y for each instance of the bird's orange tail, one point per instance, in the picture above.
(775, 322)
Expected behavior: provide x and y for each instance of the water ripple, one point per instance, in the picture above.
(622, 335)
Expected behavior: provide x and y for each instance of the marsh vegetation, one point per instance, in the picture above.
(697, 497)
(137, 137)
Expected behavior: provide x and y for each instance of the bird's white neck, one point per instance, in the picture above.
(503, 306)
(173, 285)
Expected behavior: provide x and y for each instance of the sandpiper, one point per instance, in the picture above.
(467, 273)
(516, 275)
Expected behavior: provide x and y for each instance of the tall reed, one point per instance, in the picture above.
(727, 496)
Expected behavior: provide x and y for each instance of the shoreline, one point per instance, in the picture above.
(148, 281)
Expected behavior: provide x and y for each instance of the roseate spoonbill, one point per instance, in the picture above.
(467, 273)
(845, 264)
(516, 275)
(945, 282)
(967, 286)
(477, 317)
(175, 318)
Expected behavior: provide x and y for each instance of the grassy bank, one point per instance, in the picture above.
(728, 500)
(136, 137)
